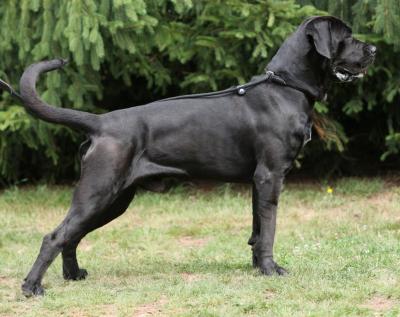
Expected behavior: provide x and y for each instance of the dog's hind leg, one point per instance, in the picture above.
(104, 167)
(71, 270)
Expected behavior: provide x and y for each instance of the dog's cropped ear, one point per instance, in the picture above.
(326, 34)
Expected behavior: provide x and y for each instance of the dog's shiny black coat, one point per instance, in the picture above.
(253, 138)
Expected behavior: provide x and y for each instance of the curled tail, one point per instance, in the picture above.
(76, 119)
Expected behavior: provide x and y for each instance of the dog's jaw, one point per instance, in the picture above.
(347, 77)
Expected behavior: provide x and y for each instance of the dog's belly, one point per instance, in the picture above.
(150, 171)
(205, 161)
(227, 170)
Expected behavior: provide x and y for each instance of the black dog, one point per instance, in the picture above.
(250, 136)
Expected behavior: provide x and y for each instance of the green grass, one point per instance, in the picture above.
(184, 254)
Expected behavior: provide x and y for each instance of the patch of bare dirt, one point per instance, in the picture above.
(74, 312)
(150, 308)
(379, 304)
(304, 213)
(190, 277)
(269, 294)
(85, 245)
(7, 281)
(9, 288)
(382, 202)
(193, 242)
(380, 199)
(108, 310)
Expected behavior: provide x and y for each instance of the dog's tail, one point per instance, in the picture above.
(80, 120)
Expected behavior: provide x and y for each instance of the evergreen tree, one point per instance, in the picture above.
(123, 53)
(366, 114)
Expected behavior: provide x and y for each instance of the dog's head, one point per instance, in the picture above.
(320, 49)
(348, 57)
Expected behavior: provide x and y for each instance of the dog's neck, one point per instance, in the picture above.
(298, 63)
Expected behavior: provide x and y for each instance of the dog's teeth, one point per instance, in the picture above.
(341, 76)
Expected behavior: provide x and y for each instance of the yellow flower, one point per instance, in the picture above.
(329, 190)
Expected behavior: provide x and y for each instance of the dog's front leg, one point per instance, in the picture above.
(255, 232)
(266, 189)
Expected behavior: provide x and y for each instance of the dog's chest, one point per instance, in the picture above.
(298, 132)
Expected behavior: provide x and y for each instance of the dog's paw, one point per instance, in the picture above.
(76, 276)
(32, 289)
(268, 266)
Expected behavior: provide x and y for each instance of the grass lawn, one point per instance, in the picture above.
(185, 254)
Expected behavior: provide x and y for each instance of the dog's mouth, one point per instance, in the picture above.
(346, 75)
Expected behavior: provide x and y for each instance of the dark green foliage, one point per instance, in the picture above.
(128, 52)
(367, 112)
(125, 52)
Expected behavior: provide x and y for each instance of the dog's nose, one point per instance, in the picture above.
(371, 49)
